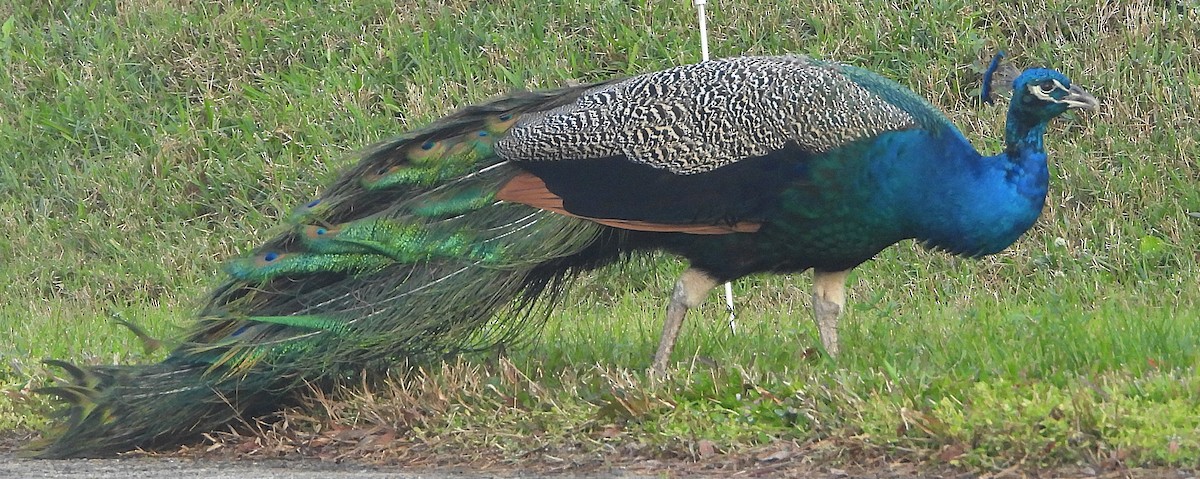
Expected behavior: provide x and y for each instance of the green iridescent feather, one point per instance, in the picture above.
(405, 266)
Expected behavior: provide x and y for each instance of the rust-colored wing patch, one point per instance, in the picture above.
(531, 190)
(528, 189)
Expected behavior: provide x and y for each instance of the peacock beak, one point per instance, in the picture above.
(1079, 98)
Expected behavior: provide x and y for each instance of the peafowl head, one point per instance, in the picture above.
(1040, 94)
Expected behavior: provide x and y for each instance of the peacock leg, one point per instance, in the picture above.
(690, 290)
(829, 299)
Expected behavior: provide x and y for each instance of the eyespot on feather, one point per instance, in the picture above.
(500, 123)
(307, 210)
(426, 150)
(314, 232)
(373, 177)
(268, 258)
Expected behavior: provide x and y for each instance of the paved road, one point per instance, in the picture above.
(206, 469)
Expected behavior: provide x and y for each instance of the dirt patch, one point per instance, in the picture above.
(371, 454)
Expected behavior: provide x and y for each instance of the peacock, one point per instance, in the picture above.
(460, 235)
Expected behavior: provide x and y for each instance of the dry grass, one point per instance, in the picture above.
(147, 140)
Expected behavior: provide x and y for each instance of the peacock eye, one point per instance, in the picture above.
(1047, 86)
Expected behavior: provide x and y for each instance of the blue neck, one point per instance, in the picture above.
(973, 205)
(1022, 137)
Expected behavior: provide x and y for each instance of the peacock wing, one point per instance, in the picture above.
(703, 148)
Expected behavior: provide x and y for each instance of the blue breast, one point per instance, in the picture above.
(952, 198)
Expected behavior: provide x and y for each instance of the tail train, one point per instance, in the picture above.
(409, 256)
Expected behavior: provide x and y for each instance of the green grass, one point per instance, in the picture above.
(145, 141)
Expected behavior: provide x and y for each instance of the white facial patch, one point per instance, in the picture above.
(1037, 91)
